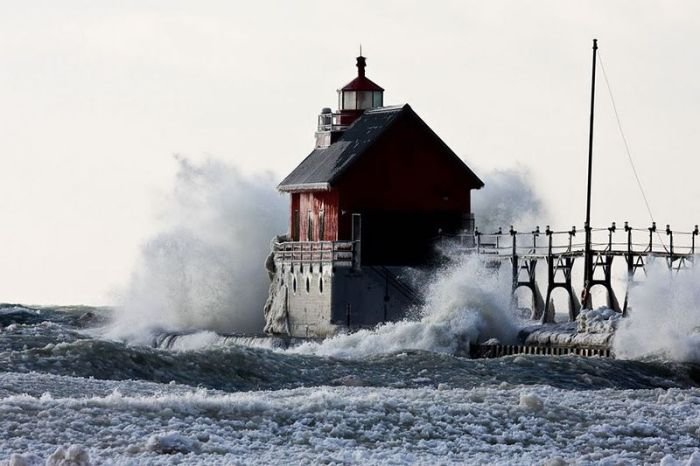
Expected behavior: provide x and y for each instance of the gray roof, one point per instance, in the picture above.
(323, 166)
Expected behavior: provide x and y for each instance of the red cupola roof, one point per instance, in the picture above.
(361, 82)
(358, 95)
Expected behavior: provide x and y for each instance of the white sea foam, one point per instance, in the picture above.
(664, 320)
(465, 303)
(205, 269)
(196, 340)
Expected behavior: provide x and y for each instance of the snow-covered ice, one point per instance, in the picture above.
(512, 424)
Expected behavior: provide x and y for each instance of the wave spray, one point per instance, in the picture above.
(465, 303)
(205, 269)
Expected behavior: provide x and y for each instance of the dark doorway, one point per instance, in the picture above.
(404, 238)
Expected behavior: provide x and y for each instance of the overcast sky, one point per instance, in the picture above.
(96, 97)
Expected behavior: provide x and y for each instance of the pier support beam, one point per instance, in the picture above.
(525, 271)
(559, 276)
(559, 267)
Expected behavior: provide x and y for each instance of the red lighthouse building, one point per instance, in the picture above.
(374, 194)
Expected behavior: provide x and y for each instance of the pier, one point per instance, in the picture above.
(561, 252)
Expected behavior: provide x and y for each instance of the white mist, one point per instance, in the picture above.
(507, 198)
(664, 320)
(205, 269)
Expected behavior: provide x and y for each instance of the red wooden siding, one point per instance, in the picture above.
(316, 206)
(404, 171)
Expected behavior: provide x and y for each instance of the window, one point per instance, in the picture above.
(364, 100)
(321, 225)
(310, 228)
(349, 100)
(295, 226)
(360, 100)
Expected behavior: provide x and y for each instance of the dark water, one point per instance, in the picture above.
(63, 341)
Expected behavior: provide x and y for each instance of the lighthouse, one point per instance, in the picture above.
(367, 204)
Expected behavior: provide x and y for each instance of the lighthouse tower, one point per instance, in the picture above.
(354, 99)
(370, 200)
(359, 95)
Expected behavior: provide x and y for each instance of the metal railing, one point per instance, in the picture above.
(331, 122)
(600, 250)
(333, 252)
(507, 243)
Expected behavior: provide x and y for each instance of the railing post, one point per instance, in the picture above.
(548, 311)
(630, 268)
(572, 233)
(611, 230)
(477, 233)
(356, 241)
(669, 233)
(535, 234)
(514, 258)
(630, 258)
(651, 229)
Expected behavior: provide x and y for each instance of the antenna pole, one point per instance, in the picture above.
(588, 273)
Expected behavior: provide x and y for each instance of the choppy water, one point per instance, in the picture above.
(61, 383)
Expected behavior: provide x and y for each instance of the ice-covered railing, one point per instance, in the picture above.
(649, 241)
(599, 247)
(507, 243)
(334, 252)
(329, 121)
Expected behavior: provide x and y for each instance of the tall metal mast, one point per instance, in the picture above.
(588, 269)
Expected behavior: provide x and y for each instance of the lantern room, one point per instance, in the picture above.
(356, 97)
(360, 93)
